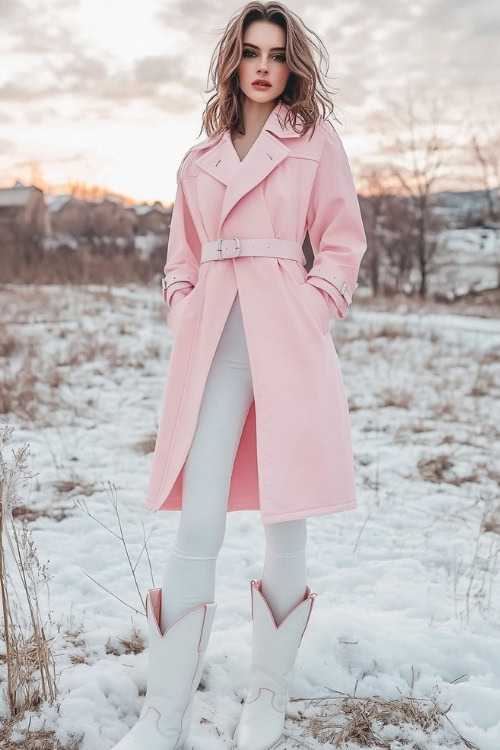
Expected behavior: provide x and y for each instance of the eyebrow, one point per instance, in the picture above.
(273, 49)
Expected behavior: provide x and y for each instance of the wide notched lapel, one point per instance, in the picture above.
(264, 156)
(218, 162)
(223, 162)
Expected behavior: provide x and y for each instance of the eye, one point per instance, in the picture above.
(251, 53)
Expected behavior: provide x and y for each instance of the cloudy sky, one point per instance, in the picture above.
(110, 92)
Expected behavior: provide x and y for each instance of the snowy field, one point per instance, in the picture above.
(466, 259)
(408, 584)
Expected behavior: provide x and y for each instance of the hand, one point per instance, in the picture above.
(337, 304)
(178, 295)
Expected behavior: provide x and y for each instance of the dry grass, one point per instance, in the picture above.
(134, 644)
(399, 397)
(25, 514)
(66, 486)
(438, 469)
(94, 261)
(348, 718)
(418, 426)
(26, 739)
(36, 384)
(9, 345)
(392, 331)
(18, 390)
(484, 304)
(147, 445)
(487, 380)
(491, 520)
(31, 676)
(112, 496)
(31, 387)
(475, 576)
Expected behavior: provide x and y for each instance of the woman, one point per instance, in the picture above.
(254, 414)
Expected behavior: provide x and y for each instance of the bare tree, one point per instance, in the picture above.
(485, 148)
(416, 160)
(400, 232)
(374, 220)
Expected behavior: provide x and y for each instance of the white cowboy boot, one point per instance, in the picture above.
(274, 651)
(175, 663)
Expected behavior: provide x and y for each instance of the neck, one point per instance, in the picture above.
(255, 115)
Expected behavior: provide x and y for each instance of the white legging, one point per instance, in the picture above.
(189, 575)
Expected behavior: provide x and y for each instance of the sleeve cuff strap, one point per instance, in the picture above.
(173, 287)
(175, 276)
(332, 285)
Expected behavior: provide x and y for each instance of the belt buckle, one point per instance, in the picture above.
(237, 248)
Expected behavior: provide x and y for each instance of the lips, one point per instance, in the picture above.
(261, 82)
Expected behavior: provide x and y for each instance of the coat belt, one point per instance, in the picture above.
(236, 247)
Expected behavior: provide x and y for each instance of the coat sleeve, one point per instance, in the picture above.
(335, 227)
(184, 247)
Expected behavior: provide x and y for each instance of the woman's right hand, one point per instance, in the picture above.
(178, 295)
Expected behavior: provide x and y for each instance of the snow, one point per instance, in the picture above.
(144, 244)
(55, 202)
(466, 259)
(408, 584)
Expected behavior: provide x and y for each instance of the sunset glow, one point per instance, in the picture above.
(111, 94)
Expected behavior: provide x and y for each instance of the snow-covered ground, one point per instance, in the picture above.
(466, 259)
(408, 584)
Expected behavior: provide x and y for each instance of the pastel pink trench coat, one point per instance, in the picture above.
(295, 456)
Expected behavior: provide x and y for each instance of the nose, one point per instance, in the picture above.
(262, 68)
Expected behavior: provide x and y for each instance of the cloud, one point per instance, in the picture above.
(49, 58)
(89, 66)
(195, 16)
(37, 30)
(159, 69)
(371, 46)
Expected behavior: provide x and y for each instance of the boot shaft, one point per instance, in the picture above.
(274, 648)
(178, 650)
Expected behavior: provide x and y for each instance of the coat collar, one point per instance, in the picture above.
(220, 159)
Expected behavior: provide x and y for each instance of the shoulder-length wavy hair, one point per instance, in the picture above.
(305, 91)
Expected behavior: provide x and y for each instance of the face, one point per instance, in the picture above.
(263, 58)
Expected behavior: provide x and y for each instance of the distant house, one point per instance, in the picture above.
(110, 218)
(468, 207)
(23, 207)
(66, 220)
(153, 219)
(68, 215)
(75, 217)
